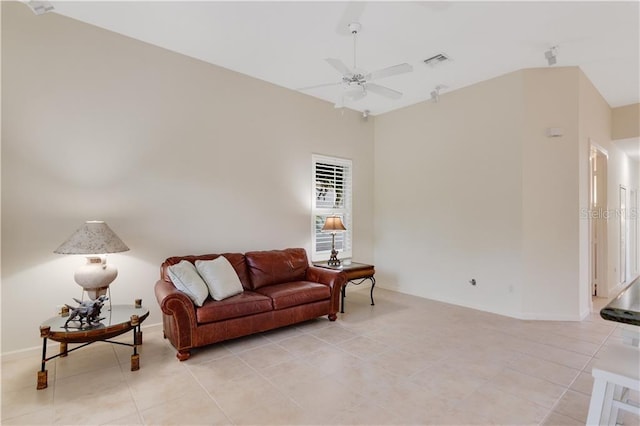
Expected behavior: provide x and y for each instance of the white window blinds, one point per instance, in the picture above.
(332, 195)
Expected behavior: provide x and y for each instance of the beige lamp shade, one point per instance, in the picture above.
(333, 224)
(94, 239)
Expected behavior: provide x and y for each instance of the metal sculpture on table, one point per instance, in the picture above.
(87, 312)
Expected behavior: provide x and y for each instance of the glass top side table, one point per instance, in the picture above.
(115, 321)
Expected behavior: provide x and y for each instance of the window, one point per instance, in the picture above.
(331, 196)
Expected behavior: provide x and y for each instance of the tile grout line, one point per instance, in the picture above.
(576, 378)
(133, 398)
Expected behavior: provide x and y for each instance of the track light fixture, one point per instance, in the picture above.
(435, 93)
(551, 55)
(39, 7)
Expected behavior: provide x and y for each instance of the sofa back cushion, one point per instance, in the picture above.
(276, 266)
(237, 260)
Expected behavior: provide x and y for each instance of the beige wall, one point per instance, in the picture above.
(485, 193)
(180, 157)
(626, 122)
(177, 155)
(448, 197)
(550, 197)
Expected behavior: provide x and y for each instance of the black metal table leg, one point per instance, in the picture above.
(344, 290)
(373, 284)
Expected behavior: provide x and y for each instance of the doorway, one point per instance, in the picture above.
(633, 233)
(622, 213)
(598, 221)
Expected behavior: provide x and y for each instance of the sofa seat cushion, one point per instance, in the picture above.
(243, 304)
(295, 293)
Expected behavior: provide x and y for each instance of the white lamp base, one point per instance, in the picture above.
(95, 276)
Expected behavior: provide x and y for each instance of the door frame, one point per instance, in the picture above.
(623, 241)
(598, 252)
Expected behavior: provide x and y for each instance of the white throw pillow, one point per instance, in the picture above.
(186, 279)
(220, 277)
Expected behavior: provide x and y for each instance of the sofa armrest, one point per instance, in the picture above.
(179, 316)
(334, 279)
(171, 299)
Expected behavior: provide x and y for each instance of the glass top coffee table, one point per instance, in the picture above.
(116, 320)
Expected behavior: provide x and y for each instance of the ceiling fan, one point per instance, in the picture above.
(357, 82)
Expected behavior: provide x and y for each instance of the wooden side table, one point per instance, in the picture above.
(119, 320)
(356, 273)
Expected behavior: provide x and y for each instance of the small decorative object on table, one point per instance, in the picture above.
(87, 311)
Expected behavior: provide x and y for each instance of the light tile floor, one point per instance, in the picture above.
(406, 360)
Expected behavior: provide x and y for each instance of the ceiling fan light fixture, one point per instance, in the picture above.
(349, 93)
(354, 93)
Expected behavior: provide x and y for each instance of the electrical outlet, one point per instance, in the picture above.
(473, 281)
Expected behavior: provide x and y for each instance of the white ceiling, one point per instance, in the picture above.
(285, 43)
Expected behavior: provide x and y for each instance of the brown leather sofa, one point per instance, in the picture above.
(280, 288)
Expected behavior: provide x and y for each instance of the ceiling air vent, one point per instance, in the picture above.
(437, 59)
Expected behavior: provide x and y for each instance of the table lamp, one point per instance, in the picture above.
(94, 239)
(333, 224)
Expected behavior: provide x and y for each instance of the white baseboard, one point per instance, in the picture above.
(551, 317)
(511, 314)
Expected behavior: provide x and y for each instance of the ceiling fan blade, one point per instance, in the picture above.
(340, 66)
(388, 72)
(384, 91)
(318, 86)
(352, 13)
